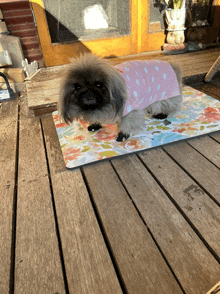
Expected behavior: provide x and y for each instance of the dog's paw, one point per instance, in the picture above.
(94, 127)
(122, 137)
(160, 116)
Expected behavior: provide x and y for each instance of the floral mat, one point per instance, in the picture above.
(200, 114)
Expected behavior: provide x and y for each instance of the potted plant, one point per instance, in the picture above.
(175, 19)
(176, 16)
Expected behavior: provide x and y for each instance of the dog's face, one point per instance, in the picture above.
(91, 89)
(86, 91)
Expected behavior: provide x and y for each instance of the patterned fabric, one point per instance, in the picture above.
(148, 82)
(200, 114)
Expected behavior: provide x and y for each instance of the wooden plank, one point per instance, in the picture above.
(207, 147)
(44, 111)
(43, 94)
(37, 266)
(198, 207)
(50, 73)
(195, 164)
(215, 289)
(14, 75)
(183, 249)
(55, 156)
(8, 144)
(208, 89)
(216, 136)
(140, 263)
(88, 265)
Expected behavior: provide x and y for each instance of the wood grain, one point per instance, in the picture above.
(202, 212)
(216, 136)
(87, 261)
(209, 89)
(194, 163)
(14, 75)
(37, 265)
(8, 144)
(177, 240)
(208, 148)
(54, 152)
(140, 263)
(215, 289)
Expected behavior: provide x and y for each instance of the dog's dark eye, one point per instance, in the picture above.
(99, 84)
(77, 87)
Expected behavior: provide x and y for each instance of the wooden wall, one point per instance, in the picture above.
(19, 20)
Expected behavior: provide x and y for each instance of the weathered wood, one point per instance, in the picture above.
(207, 147)
(215, 289)
(54, 152)
(140, 263)
(37, 260)
(177, 240)
(195, 164)
(209, 89)
(8, 144)
(50, 73)
(14, 75)
(88, 265)
(216, 136)
(202, 212)
(43, 93)
(45, 110)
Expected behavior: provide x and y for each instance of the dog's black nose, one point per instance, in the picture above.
(88, 98)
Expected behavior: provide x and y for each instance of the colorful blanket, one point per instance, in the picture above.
(200, 114)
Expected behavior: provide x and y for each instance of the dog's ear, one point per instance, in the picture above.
(64, 102)
(118, 90)
(117, 98)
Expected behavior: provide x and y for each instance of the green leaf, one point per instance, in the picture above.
(212, 126)
(86, 148)
(162, 128)
(105, 146)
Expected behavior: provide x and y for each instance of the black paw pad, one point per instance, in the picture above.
(160, 116)
(122, 137)
(94, 127)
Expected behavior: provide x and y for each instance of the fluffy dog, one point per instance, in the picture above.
(97, 92)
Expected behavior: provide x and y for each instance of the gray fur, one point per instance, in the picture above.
(89, 69)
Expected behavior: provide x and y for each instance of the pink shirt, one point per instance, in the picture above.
(147, 82)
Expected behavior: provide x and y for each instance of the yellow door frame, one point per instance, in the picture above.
(138, 41)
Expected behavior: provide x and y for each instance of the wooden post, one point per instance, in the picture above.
(213, 70)
(215, 289)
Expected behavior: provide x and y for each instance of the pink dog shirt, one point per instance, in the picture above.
(148, 82)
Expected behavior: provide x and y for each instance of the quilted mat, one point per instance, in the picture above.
(199, 115)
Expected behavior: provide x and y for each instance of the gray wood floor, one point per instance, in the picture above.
(144, 223)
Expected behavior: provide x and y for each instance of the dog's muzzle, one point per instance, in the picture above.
(89, 100)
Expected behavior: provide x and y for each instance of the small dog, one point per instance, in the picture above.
(97, 92)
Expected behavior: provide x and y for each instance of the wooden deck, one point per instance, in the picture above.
(145, 223)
